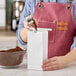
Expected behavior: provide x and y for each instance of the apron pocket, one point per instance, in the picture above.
(47, 24)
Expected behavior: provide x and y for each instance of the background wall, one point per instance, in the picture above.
(5, 12)
(2, 13)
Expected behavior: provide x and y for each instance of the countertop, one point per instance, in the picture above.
(21, 70)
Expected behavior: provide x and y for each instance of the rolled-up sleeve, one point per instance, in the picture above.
(74, 40)
(25, 12)
(74, 43)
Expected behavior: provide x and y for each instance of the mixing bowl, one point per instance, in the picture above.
(11, 57)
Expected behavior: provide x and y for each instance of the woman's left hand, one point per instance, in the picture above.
(55, 63)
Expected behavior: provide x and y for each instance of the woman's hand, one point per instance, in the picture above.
(23, 34)
(30, 22)
(59, 62)
(55, 63)
(26, 29)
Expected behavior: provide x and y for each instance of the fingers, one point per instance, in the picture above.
(49, 60)
(50, 64)
(30, 22)
(27, 26)
(54, 63)
(50, 68)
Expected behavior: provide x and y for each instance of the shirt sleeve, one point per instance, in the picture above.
(74, 43)
(26, 11)
(74, 40)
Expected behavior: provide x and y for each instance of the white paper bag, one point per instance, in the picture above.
(37, 49)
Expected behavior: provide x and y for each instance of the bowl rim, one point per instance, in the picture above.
(11, 53)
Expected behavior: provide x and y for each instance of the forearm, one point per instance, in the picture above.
(71, 56)
(23, 34)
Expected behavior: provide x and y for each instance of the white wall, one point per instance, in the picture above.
(2, 2)
(2, 13)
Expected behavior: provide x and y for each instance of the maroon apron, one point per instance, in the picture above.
(59, 17)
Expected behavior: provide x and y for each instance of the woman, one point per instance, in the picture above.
(62, 14)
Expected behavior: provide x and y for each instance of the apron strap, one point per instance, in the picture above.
(40, 3)
(70, 1)
(41, 0)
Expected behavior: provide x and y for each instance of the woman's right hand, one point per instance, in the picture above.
(26, 28)
(24, 31)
